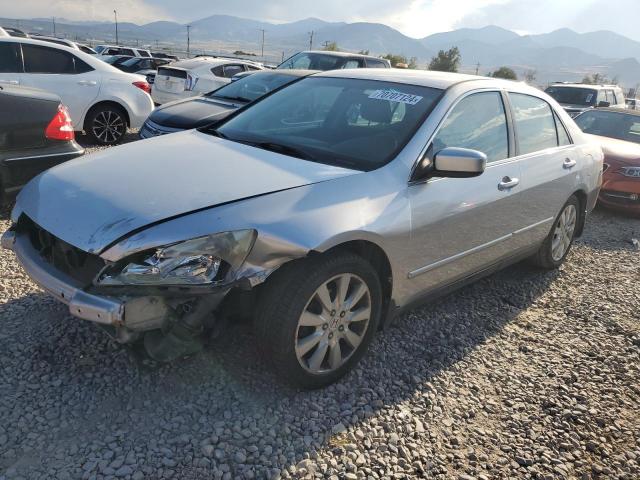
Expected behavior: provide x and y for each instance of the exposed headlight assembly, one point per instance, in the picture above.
(210, 260)
(633, 172)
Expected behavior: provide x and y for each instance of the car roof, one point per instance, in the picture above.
(343, 54)
(203, 61)
(290, 73)
(616, 110)
(583, 85)
(424, 78)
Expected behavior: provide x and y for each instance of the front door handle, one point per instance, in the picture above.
(508, 183)
(88, 83)
(10, 82)
(569, 163)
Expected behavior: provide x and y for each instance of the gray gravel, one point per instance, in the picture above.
(524, 374)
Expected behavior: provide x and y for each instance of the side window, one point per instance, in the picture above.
(563, 136)
(375, 63)
(601, 97)
(217, 71)
(38, 59)
(477, 122)
(252, 68)
(535, 127)
(231, 70)
(9, 60)
(352, 64)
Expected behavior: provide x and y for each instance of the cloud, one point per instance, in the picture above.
(138, 11)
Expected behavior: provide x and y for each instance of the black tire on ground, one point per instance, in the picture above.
(106, 124)
(544, 256)
(285, 296)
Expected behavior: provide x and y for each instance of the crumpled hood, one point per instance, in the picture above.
(192, 112)
(95, 200)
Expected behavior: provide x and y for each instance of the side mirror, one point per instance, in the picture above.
(603, 104)
(452, 162)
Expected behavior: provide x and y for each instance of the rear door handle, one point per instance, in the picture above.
(508, 183)
(569, 163)
(87, 83)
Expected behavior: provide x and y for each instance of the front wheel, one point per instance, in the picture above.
(558, 243)
(106, 125)
(317, 317)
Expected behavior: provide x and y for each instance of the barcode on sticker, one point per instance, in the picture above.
(395, 96)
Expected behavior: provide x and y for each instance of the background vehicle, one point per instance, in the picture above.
(576, 98)
(118, 50)
(141, 65)
(3, 33)
(36, 136)
(14, 32)
(101, 99)
(188, 78)
(633, 103)
(323, 207)
(115, 60)
(618, 132)
(66, 43)
(214, 106)
(321, 60)
(164, 55)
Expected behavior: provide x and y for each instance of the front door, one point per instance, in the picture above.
(462, 225)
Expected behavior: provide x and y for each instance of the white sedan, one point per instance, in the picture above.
(102, 100)
(189, 78)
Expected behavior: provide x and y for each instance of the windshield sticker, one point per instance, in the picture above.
(589, 97)
(395, 96)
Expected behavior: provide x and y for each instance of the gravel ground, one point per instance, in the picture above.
(524, 374)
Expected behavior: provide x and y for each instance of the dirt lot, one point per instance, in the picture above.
(524, 374)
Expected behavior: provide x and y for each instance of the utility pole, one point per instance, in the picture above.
(115, 16)
(188, 40)
(311, 39)
(326, 43)
(54, 25)
(477, 68)
(262, 49)
(282, 58)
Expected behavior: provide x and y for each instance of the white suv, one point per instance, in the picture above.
(102, 100)
(189, 78)
(117, 50)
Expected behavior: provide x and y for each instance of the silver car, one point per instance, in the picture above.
(321, 212)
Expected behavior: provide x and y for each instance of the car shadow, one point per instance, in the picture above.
(82, 385)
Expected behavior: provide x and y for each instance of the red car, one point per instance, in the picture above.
(618, 132)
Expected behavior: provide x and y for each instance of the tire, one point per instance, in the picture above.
(551, 255)
(106, 124)
(293, 290)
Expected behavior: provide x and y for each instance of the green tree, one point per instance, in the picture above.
(504, 72)
(530, 76)
(446, 61)
(364, 52)
(395, 59)
(595, 79)
(331, 47)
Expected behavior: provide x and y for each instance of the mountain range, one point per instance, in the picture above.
(559, 55)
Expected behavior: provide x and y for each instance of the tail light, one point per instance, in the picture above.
(190, 82)
(60, 127)
(143, 86)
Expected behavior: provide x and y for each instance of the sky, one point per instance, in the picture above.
(415, 18)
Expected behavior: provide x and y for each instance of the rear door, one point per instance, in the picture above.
(60, 72)
(10, 63)
(462, 225)
(549, 163)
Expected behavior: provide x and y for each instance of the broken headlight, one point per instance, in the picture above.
(201, 261)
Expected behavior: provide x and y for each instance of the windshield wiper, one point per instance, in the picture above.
(239, 99)
(283, 149)
(214, 132)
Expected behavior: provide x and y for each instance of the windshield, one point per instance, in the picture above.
(252, 87)
(622, 126)
(130, 62)
(313, 61)
(359, 124)
(573, 95)
(100, 48)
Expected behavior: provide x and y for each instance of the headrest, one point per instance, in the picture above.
(378, 111)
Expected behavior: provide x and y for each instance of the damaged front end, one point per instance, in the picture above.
(168, 295)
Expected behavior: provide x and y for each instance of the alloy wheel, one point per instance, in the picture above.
(333, 323)
(108, 126)
(563, 233)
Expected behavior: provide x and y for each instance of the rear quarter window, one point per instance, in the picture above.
(9, 59)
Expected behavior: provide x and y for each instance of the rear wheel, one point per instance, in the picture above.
(106, 124)
(317, 317)
(558, 243)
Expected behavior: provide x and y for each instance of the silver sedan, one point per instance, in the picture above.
(320, 212)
